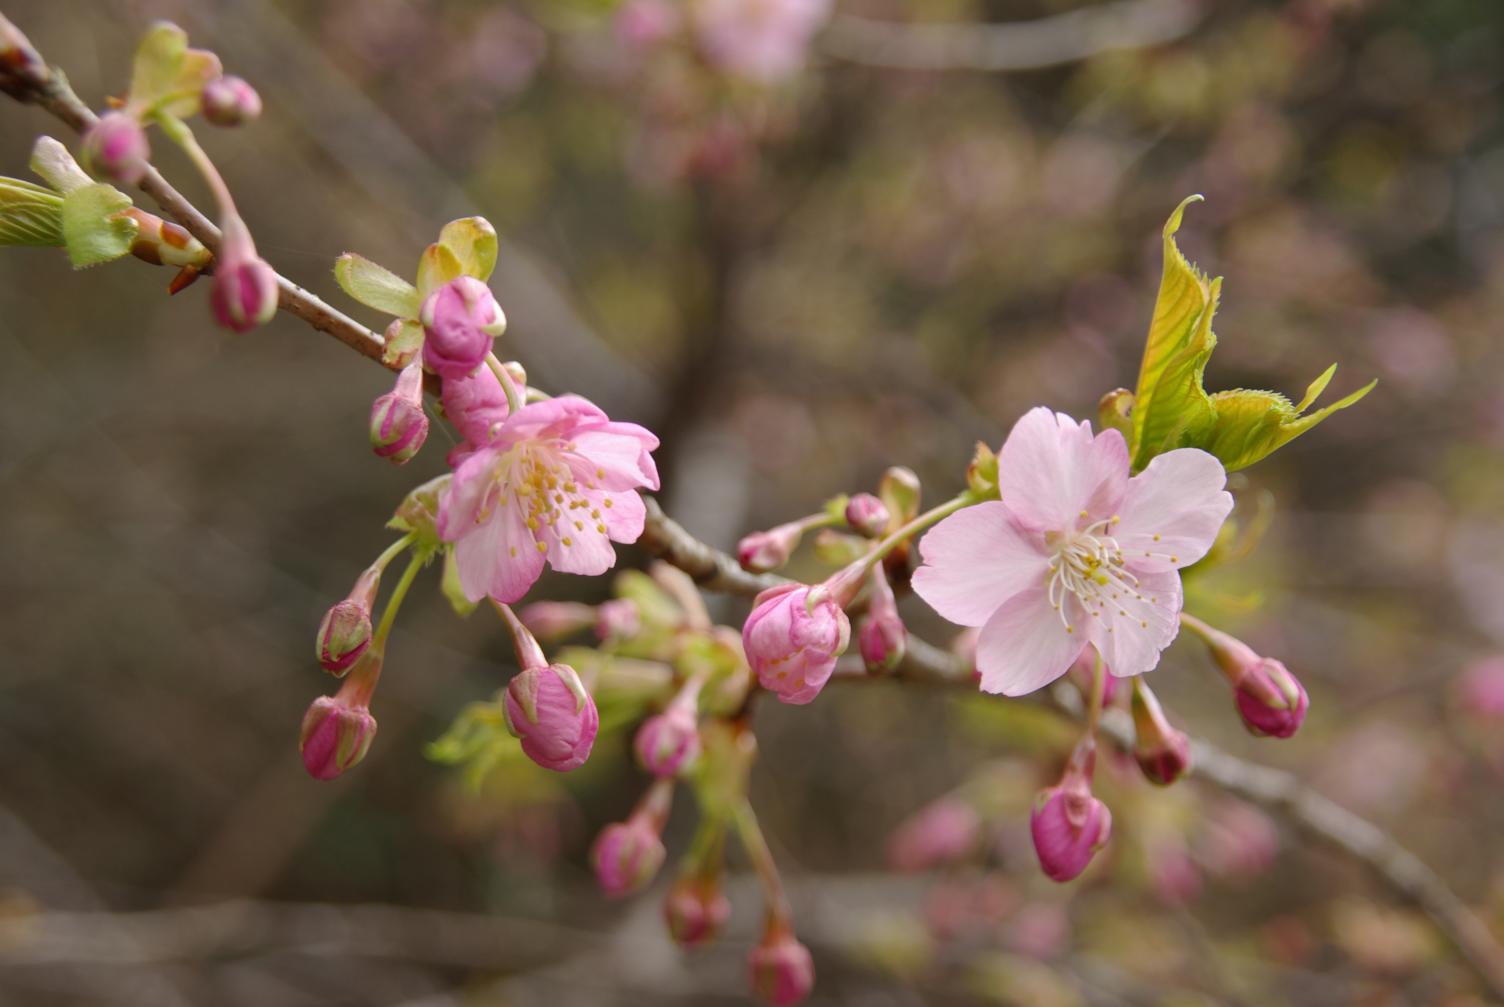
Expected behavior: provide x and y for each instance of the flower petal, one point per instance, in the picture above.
(1025, 646)
(1050, 469)
(1173, 510)
(576, 546)
(615, 456)
(1133, 629)
(460, 506)
(624, 514)
(975, 560)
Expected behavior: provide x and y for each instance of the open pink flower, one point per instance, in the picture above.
(1076, 552)
(558, 480)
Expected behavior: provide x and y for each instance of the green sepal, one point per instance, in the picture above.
(1251, 425)
(478, 739)
(167, 76)
(402, 343)
(449, 584)
(836, 548)
(472, 242)
(981, 474)
(835, 507)
(94, 229)
(375, 286)
(30, 214)
(418, 514)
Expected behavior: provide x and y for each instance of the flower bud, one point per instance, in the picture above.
(882, 637)
(1271, 701)
(627, 855)
(1162, 752)
(669, 741)
(867, 514)
(336, 735)
(793, 645)
(460, 321)
(763, 551)
(398, 424)
(245, 287)
(899, 492)
(695, 910)
(617, 619)
(551, 621)
(941, 832)
(549, 709)
(780, 969)
(1068, 824)
(475, 404)
(115, 148)
(230, 101)
(345, 632)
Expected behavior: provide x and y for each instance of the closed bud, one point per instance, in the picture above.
(550, 711)
(792, 644)
(115, 148)
(460, 321)
(627, 855)
(551, 621)
(764, 551)
(335, 736)
(882, 637)
(695, 910)
(1271, 701)
(245, 286)
(781, 969)
(1084, 670)
(1068, 824)
(669, 741)
(230, 101)
(617, 619)
(1162, 752)
(867, 514)
(345, 632)
(399, 426)
(942, 832)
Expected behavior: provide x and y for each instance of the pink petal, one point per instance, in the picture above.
(1025, 646)
(498, 557)
(1132, 630)
(1173, 510)
(475, 403)
(974, 561)
(587, 551)
(615, 456)
(558, 417)
(1050, 469)
(625, 516)
(461, 504)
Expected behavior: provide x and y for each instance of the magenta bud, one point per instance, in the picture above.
(245, 289)
(398, 424)
(617, 619)
(460, 321)
(669, 741)
(116, 148)
(551, 621)
(335, 736)
(867, 514)
(549, 709)
(230, 101)
(882, 639)
(781, 969)
(792, 645)
(942, 832)
(1163, 753)
(695, 910)
(345, 632)
(1271, 701)
(764, 551)
(1069, 825)
(626, 856)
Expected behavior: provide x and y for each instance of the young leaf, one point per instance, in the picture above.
(29, 214)
(94, 228)
(437, 266)
(1251, 425)
(472, 240)
(52, 162)
(167, 76)
(403, 341)
(376, 286)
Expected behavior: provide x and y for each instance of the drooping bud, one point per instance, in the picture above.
(245, 286)
(792, 644)
(942, 832)
(115, 148)
(460, 321)
(345, 632)
(781, 969)
(555, 718)
(669, 741)
(1162, 752)
(399, 425)
(551, 621)
(1068, 824)
(1271, 701)
(627, 855)
(337, 730)
(230, 101)
(617, 619)
(867, 514)
(881, 637)
(695, 910)
(763, 551)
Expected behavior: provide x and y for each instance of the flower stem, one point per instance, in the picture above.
(842, 585)
(508, 386)
(762, 862)
(393, 551)
(178, 132)
(529, 653)
(389, 614)
(1098, 691)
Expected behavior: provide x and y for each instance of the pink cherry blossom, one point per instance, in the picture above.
(1076, 552)
(763, 40)
(557, 481)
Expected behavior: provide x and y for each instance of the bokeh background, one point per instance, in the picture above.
(796, 281)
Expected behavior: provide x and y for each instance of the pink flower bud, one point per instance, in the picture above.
(1482, 689)
(1069, 825)
(1162, 752)
(116, 148)
(398, 424)
(882, 637)
(941, 832)
(552, 621)
(695, 910)
(230, 101)
(763, 551)
(617, 619)
(460, 321)
(245, 287)
(627, 855)
(780, 969)
(476, 404)
(1271, 701)
(345, 632)
(549, 709)
(867, 514)
(669, 741)
(793, 646)
(336, 735)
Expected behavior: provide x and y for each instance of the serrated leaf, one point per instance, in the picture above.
(402, 343)
(55, 165)
(436, 267)
(29, 214)
(1250, 425)
(472, 240)
(375, 286)
(93, 227)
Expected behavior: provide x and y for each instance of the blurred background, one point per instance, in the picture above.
(800, 258)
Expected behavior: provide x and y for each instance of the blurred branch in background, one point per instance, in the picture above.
(1022, 45)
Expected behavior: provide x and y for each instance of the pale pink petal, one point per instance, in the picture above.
(519, 561)
(625, 515)
(461, 504)
(575, 546)
(1173, 510)
(475, 404)
(1025, 646)
(974, 561)
(1051, 469)
(557, 417)
(615, 456)
(1133, 628)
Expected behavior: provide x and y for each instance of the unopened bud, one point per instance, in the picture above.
(399, 426)
(781, 969)
(695, 910)
(867, 514)
(981, 474)
(550, 711)
(345, 632)
(899, 492)
(764, 551)
(882, 637)
(1271, 700)
(551, 621)
(1162, 752)
(617, 619)
(115, 148)
(245, 286)
(335, 736)
(793, 645)
(460, 322)
(1068, 824)
(230, 101)
(669, 741)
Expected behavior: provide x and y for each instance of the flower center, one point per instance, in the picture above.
(1089, 565)
(537, 478)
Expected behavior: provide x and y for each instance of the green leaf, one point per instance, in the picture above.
(436, 267)
(472, 240)
(375, 286)
(167, 76)
(403, 341)
(52, 162)
(1251, 425)
(29, 214)
(93, 227)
